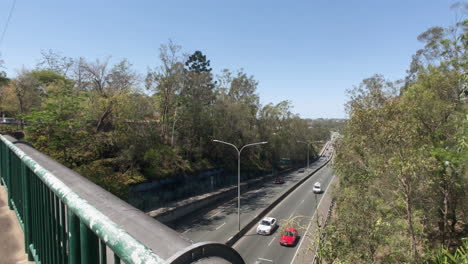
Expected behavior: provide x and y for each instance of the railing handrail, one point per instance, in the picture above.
(122, 243)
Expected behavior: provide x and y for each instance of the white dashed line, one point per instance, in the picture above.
(220, 226)
(215, 214)
(307, 230)
(271, 241)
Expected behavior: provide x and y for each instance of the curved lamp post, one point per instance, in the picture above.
(308, 144)
(238, 171)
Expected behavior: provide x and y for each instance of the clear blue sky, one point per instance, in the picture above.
(308, 52)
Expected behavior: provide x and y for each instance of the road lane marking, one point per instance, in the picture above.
(271, 241)
(252, 230)
(186, 231)
(305, 234)
(220, 226)
(215, 214)
(302, 201)
(291, 215)
(266, 260)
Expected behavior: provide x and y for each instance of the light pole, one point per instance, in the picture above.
(238, 172)
(308, 144)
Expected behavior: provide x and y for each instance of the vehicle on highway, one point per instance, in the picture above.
(317, 188)
(279, 180)
(301, 170)
(289, 237)
(7, 120)
(267, 226)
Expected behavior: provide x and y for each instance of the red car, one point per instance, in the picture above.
(279, 181)
(289, 237)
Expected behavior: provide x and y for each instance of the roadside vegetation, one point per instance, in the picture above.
(401, 162)
(119, 127)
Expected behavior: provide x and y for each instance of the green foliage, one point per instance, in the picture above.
(197, 62)
(58, 127)
(444, 256)
(402, 164)
(163, 162)
(320, 128)
(3, 76)
(92, 117)
(102, 172)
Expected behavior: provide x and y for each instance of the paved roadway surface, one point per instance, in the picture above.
(220, 223)
(299, 205)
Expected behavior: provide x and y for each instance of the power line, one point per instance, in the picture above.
(7, 22)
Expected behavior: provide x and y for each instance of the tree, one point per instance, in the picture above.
(407, 149)
(167, 82)
(54, 61)
(107, 87)
(59, 127)
(27, 90)
(197, 97)
(3, 76)
(198, 63)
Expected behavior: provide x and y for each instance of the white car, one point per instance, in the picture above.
(317, 188)
(267, 226)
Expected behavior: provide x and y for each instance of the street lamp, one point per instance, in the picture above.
(307, 143)
(238, 171)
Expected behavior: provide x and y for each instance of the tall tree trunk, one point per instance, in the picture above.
(445, 213)
(409, 216)
(106, 113)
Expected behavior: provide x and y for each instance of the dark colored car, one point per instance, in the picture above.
(279, 181)
(289, 237)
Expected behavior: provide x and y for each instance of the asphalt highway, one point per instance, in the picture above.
(300, 205)
(220, 223)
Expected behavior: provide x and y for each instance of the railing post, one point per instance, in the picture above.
(8, 177)
(102, 252)
(27, 209)
(73, 238)
(89, 245)
(2, 162)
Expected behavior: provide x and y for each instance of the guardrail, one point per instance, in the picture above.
(68, 219)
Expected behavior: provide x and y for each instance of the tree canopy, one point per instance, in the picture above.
(402, 161)
(94, 116)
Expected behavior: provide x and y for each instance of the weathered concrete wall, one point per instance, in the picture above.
(190, 205)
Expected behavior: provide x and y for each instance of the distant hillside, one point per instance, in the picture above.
(322, 127)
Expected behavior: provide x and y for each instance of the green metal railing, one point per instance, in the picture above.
(59, 226)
